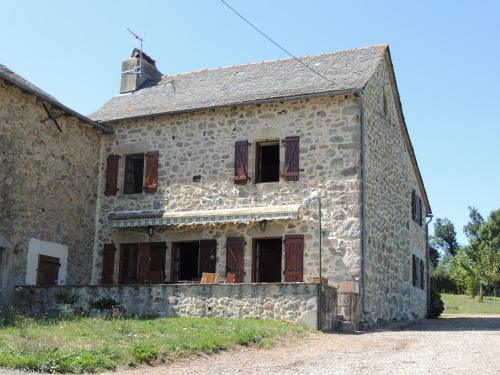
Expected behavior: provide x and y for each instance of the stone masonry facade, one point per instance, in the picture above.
(203, 144)
(48, 186)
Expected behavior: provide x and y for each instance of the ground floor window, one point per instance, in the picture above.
(48, 270)
(191, 258)
(142, 263)
(267, 260)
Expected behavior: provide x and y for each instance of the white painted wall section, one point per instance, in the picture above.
(36, 248)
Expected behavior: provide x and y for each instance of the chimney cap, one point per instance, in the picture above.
(136, 53)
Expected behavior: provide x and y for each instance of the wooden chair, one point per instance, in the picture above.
(230, 278)
(209, 278)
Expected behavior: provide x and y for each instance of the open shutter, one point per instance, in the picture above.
(241, 162)
(422, 274)
(292, 158)
(151, 171)
(108, 263)
(414, 269)
(235, 255)
(112, 175)
(144, 263)
(294, 258)
(208, 250)
(413, 205)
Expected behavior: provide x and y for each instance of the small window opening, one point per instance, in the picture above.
(384, 104)
(128, 263)
(187, 261)
(267, 162)
(134, 174)
(48, 270)
(267, 260)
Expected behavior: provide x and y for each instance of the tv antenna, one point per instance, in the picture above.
(141, 40)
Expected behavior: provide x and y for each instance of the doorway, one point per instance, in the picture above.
(267, 255)
(192, 258)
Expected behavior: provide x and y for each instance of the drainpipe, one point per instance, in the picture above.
(429, 216)
(363, 203)
(320, 285)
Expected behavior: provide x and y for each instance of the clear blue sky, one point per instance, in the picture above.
(446, 56)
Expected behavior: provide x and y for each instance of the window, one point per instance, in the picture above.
(134, 174)
(128, 263)
(48, 270)
(384, 105)
(191, 259)
(267, 162)
(418, 272)
(417, 208)
(142, 263)
(267, 260)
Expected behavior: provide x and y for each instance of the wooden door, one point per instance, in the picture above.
(48, 270)
(235, 256)
(144, 263)
(157, 262)
(294, 258)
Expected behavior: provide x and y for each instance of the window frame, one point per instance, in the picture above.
(258, 159)
(128, 158)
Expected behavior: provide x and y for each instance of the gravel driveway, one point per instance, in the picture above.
(456, 345)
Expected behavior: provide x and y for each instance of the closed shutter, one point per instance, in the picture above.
(422, 274)
(235, 256)
(157, 263)
(294, 258)
(241, 162)
(144, 263)
(112, 175)
(414, 269)
(48, 270)
(152, 171)
(108, 263)
(420, 212)
(208, 249)
(414, 205)
(292, 158)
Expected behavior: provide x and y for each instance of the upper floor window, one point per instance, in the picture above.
(140, 173)
(134, 174)
(267, 162)
(417, 209)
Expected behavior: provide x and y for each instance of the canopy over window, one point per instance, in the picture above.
(234, 215)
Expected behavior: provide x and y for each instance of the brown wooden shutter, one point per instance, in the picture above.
(414, 205)
(108, 263)
(144, 263)
(294, 258)
(112, 175)
(152, 171)
(48, 270)
(422, 274)
(235, 256)
(292, 158)
(241, 162)
(414, 269)
(420, 212)
(208, 249)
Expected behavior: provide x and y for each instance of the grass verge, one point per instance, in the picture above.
(83, 344)
(460, 304)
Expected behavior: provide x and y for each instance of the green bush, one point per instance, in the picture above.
(66, 297)
(146, 353)
(103, 303)
(436, 306)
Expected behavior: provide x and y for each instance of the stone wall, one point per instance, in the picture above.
(294, 302)
(392, 235)
(48, 186)
(202, 144)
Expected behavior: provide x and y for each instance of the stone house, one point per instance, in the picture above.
(225, 171)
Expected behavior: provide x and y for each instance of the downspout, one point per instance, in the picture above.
(429, 216)
(320, 285)
(362, 279)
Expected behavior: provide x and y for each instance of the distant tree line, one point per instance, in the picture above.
(473, 269)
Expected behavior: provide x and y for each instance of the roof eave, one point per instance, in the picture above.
(44, 98)
(276, 99)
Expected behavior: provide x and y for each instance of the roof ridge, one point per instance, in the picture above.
(165, 76)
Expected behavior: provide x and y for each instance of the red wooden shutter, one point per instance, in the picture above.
(208, 249)
(144, 263)
(112, 175)
(152, 171)
(414, 205)
(294, 258)
(292, 158)
(235, 255)
(414, 269)
(422, 274)
(108, 263)
(241, 162)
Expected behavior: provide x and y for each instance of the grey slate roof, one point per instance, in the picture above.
(347, 70)
(15, 79)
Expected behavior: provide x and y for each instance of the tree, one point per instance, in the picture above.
(472, 228)
(433, 256)
(445, 237)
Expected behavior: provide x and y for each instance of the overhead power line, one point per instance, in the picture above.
(273, 42)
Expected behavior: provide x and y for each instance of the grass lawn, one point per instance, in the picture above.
(460, 304)
(83, 344)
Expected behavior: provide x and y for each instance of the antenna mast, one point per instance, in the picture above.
(140, 39)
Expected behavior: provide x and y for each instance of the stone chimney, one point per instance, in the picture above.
(136, 71)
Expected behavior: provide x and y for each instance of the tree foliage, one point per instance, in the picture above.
(445, 236)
